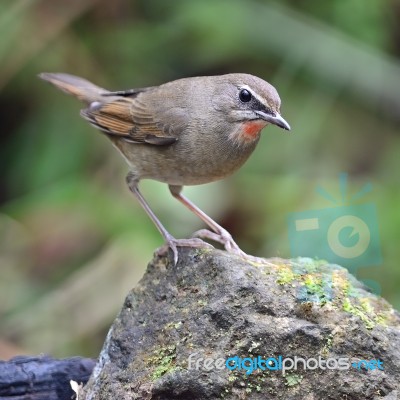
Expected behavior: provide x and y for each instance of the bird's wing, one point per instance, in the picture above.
(129, 119)
(129, 92)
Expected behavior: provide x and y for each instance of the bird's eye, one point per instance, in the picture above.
(244, 96)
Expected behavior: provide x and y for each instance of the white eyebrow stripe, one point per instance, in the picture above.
(260, 99)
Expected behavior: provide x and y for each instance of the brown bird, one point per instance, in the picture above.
(185, 132)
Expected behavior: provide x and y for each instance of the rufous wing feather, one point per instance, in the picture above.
(120, 118)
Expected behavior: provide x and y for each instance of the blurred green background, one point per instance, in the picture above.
(73, 240)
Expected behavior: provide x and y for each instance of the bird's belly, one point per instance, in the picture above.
(186, 172)
(182, 166)
(187, 178)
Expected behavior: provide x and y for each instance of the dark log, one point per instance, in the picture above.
(42, 377)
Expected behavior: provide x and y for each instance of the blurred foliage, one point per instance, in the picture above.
(73, 240)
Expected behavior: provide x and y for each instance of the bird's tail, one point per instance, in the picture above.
(78, 87)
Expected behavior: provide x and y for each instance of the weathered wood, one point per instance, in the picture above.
(42, 377)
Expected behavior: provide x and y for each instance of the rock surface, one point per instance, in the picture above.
(214, 305)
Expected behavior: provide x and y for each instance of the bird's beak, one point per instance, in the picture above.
(274, 119)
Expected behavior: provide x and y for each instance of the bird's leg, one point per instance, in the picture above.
(218, 234)
(170, 241)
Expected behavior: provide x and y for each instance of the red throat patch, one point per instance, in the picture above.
(252, 129)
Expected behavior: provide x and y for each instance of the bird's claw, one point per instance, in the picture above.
(173, 244)
(223, 237)
(230, 245)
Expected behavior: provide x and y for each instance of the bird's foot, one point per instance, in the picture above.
(223, 237)
(173, 244)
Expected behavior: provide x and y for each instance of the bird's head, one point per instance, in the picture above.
(249, 103)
